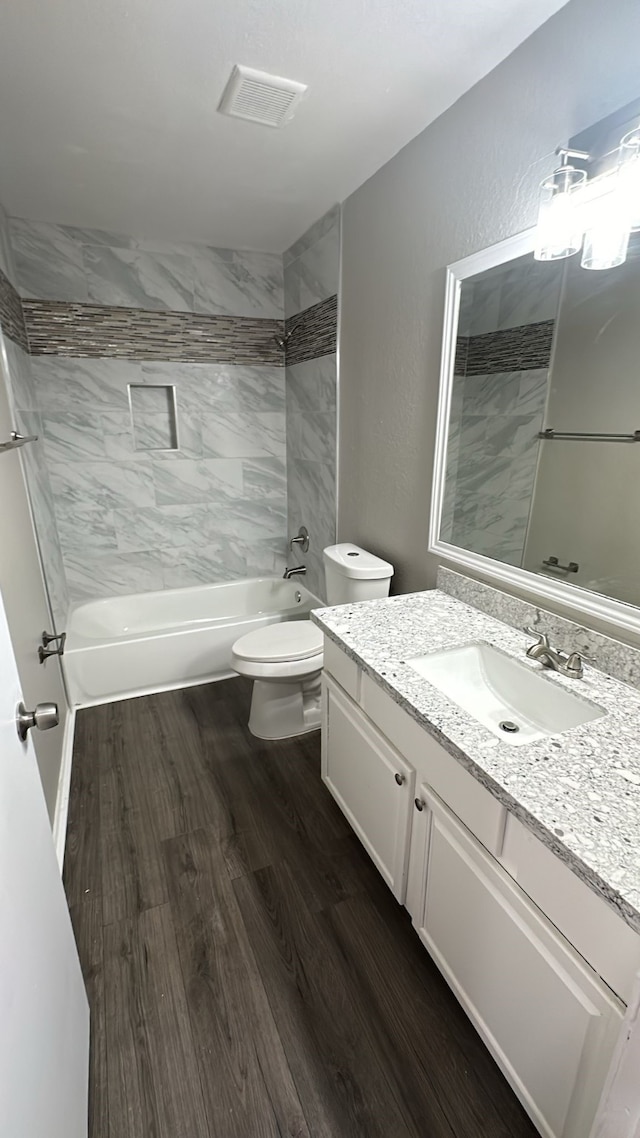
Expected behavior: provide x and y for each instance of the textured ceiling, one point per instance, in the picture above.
(109, 108)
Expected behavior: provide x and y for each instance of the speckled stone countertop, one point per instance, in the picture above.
(578, 791)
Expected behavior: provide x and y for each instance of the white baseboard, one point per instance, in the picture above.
(64, 786)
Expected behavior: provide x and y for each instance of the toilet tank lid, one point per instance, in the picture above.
(352, 561)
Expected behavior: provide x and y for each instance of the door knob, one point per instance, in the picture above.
(44, 716)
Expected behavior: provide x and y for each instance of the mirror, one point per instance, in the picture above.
(538, 461)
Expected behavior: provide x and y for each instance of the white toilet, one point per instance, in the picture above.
(285, 660)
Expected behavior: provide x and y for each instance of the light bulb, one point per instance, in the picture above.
(629, 175)
(607, 236)
(559, 231)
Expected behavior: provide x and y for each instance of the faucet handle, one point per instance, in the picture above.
(542, 640)
(573, 666)
(301, 539)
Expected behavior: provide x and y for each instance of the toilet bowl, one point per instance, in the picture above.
(285, 660)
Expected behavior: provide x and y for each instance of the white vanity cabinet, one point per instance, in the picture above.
(372, 784)
(547, 1018)
(438, 837)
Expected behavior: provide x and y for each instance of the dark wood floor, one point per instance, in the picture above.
(249, 973)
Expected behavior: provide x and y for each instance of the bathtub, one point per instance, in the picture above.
(148, 642)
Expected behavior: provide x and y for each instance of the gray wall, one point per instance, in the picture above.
(469, 180)
(311, 275)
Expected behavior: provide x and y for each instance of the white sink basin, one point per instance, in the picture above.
(496, 689)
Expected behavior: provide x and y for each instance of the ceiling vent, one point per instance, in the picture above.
(259, 97)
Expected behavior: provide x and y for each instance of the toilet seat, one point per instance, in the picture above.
(289, 641)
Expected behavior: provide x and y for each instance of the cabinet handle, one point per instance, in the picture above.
(419, 804)
(400, 779)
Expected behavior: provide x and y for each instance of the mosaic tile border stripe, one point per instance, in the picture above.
(60, 328)
(11, 314)
(313, 333)
(462, 352)
(513, 349)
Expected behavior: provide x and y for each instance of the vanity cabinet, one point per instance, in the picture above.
(548, 1020)
(442, 843)
(374, 787)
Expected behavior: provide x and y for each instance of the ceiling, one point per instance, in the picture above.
(109, 106)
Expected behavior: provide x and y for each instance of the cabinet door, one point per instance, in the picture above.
(546, 1017)
(372, 784)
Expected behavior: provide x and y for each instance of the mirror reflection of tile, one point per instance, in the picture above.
(500, 385)
(544, 344)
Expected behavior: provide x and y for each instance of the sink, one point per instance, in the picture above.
(514, 702)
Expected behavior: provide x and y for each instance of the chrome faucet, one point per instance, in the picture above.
(294, 571)
(567, 664)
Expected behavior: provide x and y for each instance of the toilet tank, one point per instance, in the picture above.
(353, 575)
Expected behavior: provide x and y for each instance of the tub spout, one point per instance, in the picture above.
(294, 571)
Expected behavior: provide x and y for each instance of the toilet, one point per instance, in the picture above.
(285, 660)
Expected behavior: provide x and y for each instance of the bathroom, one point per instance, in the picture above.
(279, 347)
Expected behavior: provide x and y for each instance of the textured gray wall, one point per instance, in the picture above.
(469, 180)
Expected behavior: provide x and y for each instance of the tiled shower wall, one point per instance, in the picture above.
(16, 365)
(311, 283)
(498, 402)
(131, 519)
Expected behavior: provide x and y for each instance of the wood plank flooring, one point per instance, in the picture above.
(249, 973)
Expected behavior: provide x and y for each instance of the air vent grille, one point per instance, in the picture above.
(259, 97)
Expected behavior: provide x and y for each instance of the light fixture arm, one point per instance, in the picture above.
(564, 154)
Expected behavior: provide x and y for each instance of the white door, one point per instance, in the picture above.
(25, 600)
(371, 782)
(44, 1015)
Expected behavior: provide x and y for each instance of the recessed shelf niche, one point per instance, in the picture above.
(154, 416)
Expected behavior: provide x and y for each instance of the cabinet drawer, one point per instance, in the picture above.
(591, 926)
(548, 1020)
(372, 784)
(474, 805)
(343, 670)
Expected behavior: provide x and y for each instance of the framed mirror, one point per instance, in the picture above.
(537, 469)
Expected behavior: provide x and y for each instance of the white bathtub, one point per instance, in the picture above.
(147, 642)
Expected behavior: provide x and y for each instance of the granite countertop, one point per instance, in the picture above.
(578, 791)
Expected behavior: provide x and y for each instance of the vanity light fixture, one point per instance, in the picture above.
(560, 232)
(596, 214)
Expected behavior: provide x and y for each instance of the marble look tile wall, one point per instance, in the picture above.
(56, 262)
(89, 293)
(15, 366)
(214, 509)
(311, 282)
(134, 520)
(99, 306)
(492, 460)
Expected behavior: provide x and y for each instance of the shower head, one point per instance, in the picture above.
(282, 341)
